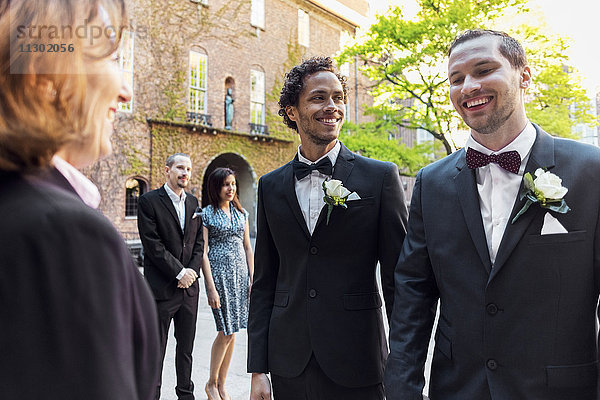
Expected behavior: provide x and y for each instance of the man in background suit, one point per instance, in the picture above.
(169, 226)
(518, 298)
(315, 318)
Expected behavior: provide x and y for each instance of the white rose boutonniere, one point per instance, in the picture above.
(335, 195)
(546, 190)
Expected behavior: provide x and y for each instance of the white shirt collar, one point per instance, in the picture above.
(522, 143)
(332, 154)
(173, 196)
(85, 189)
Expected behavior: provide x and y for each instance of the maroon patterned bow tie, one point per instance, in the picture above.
(509, 160)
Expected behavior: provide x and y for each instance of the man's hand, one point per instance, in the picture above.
(260, 387)
(214, 301)
(187, 279)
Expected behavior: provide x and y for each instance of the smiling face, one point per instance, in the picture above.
(486, 90)
(228, 189)
(179, 173)
(60, 103)
(320, 111)
(106, 85)
(106, 88)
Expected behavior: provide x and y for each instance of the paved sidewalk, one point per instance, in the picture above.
(238, 381)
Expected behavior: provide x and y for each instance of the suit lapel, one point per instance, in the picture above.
(290, 194)
(466, 187)
(189, 212)
(341, 171)
(164, 197)
(542, 156)
(343, 164)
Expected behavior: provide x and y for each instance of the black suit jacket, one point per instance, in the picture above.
(166, 248)
(318, 294)
(78, 321)
(522, 330)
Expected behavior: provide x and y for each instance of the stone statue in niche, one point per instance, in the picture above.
(228, 109)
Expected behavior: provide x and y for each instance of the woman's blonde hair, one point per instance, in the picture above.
(43, 48)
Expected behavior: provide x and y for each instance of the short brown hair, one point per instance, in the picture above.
(509, 47)
(43, 93)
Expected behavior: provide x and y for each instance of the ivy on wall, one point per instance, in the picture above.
(273, 119)
(264, 154)
(174, 25)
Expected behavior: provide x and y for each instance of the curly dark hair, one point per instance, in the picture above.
(294, 82)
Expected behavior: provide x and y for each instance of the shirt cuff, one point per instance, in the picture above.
(180, 274)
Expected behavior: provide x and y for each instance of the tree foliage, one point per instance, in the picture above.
(372, 139)
(406, 61)
(556, 100)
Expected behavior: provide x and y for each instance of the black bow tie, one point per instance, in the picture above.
(302, 169)
(509, 160)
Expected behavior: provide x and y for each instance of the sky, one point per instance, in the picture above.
(576, 19)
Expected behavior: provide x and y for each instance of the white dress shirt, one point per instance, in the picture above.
(498, 188)
(309, 190)
(179, 204)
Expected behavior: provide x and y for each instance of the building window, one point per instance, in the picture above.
(198, 80)
(303, 28)
(257, 97)
(257, 13)
(134, 188)
(126, 65)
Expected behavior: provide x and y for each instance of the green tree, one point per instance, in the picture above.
(556, 100)
(406, 60)
(373, 139)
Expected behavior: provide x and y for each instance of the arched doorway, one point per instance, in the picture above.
(246, 180)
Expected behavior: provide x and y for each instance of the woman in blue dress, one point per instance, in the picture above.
(227, 268)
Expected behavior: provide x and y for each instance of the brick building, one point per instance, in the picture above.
(182, 57)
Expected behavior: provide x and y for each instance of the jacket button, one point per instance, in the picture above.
(492, 364)
(492, 309)
(312, 293)
(314, 250)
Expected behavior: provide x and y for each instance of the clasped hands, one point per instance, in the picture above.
(188, 278)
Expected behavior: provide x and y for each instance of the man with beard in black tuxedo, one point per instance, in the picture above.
(315, 318)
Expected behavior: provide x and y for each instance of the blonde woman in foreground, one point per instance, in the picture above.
(78, 321)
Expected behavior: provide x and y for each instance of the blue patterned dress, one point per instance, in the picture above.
(228, 266)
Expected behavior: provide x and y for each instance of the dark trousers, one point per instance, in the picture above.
(313, 384)
(183, 310)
